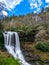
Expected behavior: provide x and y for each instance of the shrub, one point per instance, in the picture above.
(1, 40)
(1, 26)
(43, 46)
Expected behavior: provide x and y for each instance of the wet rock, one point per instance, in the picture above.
(29, 56)
(46, 62)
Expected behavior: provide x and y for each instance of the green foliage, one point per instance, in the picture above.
(45, 26)
(8, 61)
(43, 46)
(26, 33)
(42, 10)
(1, 40)
(26, 29)
(47, 9)
(1, 26)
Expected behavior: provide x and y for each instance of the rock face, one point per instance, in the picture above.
(29, 55)
(41, 36)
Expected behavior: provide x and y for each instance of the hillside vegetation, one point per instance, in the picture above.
(25, 22)
(33, 30)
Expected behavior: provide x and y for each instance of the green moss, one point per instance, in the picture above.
(8, 61)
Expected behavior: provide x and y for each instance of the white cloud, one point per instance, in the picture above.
(10, 4)
(47, 1)
(4, 12)
(35, 3)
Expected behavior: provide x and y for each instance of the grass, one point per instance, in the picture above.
(6, 59)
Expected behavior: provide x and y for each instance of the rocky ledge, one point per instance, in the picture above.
(30, 57)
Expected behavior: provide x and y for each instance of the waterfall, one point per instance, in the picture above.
(12, 44)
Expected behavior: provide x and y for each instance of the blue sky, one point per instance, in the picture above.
(22, 7)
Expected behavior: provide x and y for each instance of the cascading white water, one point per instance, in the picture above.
(12, 44)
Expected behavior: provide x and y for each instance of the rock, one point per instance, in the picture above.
(28, 53)
(30, 57)
(41, 36)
